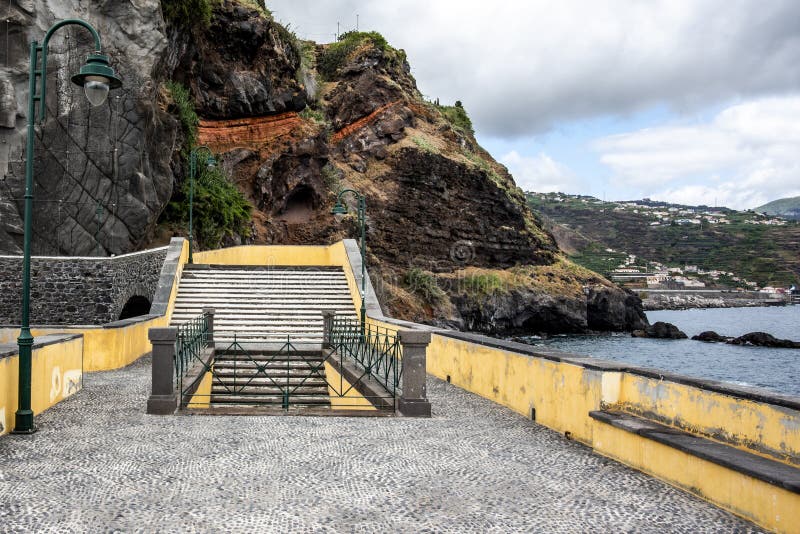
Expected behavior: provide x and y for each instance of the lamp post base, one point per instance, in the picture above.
(24, 422)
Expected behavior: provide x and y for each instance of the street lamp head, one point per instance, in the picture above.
(339, 211)
(97, 78)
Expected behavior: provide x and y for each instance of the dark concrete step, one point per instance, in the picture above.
(268, 365)
(251, 390)
(269, 400)
(261, 360)
(282, 379)
(770, 471)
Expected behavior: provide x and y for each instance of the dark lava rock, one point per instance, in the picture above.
(242, 65)
(762, 339)
(524, 311)
(660, 330)
(710, 336)
(608, 308)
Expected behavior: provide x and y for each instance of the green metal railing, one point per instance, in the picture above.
(193, 338)
(265, 362)
(377, 350)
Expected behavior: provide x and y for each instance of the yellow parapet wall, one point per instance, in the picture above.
(267, 255)
(759, 427)
(562, 394)
(561, 391)
(56, 374)
(766, 504)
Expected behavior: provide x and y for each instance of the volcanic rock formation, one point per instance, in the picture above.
(450, 238)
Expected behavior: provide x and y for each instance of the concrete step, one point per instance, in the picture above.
(261, 358)
(279, 364)
(262, 273)
(278, 381)
(253, 286)
(257, 280)
(272, 391)
(300, 296)
(315, 319)
(263, 304)
(266, 309)
(245, 400)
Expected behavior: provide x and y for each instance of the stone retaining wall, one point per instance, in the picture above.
(78, 291)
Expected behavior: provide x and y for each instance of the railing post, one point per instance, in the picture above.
(414, 400)
(327, 318)
(209, 314)
(163, 397)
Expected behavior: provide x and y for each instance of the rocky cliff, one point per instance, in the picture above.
(102, 175)
(450, 237)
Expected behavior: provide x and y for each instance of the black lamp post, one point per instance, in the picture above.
(341, 209)
(97, 78)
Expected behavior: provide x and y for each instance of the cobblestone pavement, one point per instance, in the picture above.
(99, 463)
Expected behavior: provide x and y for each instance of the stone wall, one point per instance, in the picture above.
(78, 291)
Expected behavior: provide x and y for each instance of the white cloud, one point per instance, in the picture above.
(539, 173)
(745, 156)
(521, 66)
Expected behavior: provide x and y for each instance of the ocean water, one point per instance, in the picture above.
(774, 369)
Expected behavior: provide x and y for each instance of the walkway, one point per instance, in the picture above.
(99, 462)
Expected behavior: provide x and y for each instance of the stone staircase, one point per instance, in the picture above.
(264, 305)
(258, 312)
(244, 379)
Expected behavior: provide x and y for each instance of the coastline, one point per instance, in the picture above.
(655, 300)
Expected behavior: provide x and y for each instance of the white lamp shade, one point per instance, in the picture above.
(96, 89)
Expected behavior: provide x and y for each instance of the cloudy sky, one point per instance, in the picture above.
(690, 101)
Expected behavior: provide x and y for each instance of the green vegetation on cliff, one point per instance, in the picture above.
(184, 108)
(457, 116)
(188, 12)
(336, 54)
(220, 209)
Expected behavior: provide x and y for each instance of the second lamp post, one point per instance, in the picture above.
(341, 209)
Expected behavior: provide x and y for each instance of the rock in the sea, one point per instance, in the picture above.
(709, 336)
(660, 330)
(762, 339)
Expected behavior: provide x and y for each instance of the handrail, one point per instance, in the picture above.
(374, 348)
(193, 338)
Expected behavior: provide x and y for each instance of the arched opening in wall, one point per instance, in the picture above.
(299, 206)
(136, 306)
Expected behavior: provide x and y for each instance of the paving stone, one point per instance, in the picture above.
(99, 463)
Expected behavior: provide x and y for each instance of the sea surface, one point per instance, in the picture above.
(774, 369)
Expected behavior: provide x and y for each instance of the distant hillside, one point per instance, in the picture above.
(753, 246)
(788, 208)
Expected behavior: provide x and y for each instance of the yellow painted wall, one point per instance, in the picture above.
(563, 394)
(268, 255)
(202, 396)
(56, 374)
(767, 505)
(343, 395)
(751, 425)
